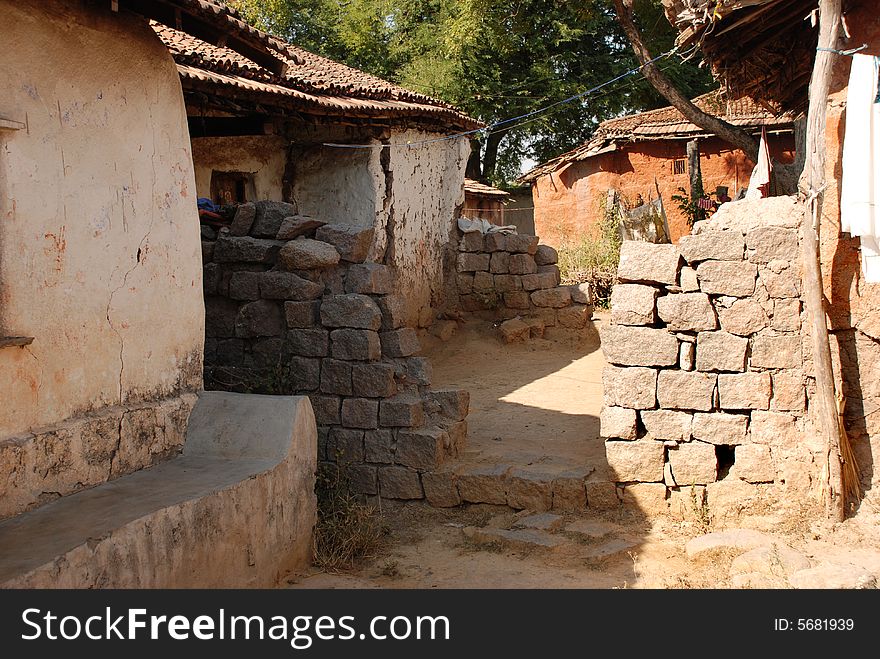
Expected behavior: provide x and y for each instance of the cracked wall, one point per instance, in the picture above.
(99, 238)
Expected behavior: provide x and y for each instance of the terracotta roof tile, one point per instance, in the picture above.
(311, 83)
(475, 187)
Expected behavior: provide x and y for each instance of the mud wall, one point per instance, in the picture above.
(262, 156)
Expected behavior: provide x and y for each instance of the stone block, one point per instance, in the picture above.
(369, 278)
(297, 225)
(373, 380)
(744, 391)
(400, 343)
(307, 254)
(399, 483)
(326, 409)
(776, 428)
(379, 446)
(540, 280)
(686, 355)
(452, 403)
(569, 493)
(421, 449)
(521, 243)
(639, 346)
(630, 387)
(546, 255)
(529, 490)
(363, 479)
(393, 309)
(499, 263)
(301, 315)
(668, 425)
(575, 316)
(687, 280)
(690, 312)
(440, 489)
(277, 285)
(517, 299)
(693, 463)
(522, 264)
(734, 278)
(712, 245)
(546, 314)
(686, 390)
(244, 249)
(721, 351)
(211, 275)
(352, 242)
(780, 280)
(360, 413)
(345, 445)
(555, 298)
(418, 371)
(508, 283)
(270, 216)
(471, 241)
(305, 373)
(468, 262)
(753, 463)
(355, 344)
(772, 243)
(743, 318)
(401, 412)
(536, 326)
(720, 428)
(336, 377)
(601, 495)
(260, 318)
(514, 330)
(581, 293)
(483, 484)
(308, 342)
(787, 315)
(633, 304)
(483, 282)
(788, 391)
(648, 262)
(617, 422)
(495, 242)
(551, 269)
(640, 461)
(458, 434)
(244, 285)
(350, 310)
(776, 352)
(465, 283)
(243, 220)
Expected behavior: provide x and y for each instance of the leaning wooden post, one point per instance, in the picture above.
(811, 187)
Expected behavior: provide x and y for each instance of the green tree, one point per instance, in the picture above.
(494, 59)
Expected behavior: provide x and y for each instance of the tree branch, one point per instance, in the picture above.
(727, 132)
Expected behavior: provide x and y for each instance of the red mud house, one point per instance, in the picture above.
(629, 153)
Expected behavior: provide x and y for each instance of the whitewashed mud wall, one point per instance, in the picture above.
(262, 156)
(99, 251)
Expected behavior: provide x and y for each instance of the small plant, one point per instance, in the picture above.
(692, 211)
(700, 508)
(348, 530)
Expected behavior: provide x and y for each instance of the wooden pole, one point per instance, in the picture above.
(812, 185)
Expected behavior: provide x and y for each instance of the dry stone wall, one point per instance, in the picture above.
(292, 307)
(511, 277)
(706, 382)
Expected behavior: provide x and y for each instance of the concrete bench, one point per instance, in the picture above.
(236, 509)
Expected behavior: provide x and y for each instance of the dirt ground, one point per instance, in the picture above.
(539, 403)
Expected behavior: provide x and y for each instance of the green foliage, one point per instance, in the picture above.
(593, 257)
(689, 207)
(494, 59)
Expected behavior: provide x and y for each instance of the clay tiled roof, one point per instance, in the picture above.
(475, 187)
(311, 84)
(665, 124)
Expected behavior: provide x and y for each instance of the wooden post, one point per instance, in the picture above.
(812, 184)
(696, 176)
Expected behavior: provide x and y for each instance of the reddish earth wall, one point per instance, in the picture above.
(567, 202)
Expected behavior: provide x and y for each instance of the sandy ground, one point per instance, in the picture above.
(538, 403)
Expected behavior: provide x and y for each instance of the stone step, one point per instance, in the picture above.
(519, 539)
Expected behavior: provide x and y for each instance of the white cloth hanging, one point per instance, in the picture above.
(759, 183)
(860, 182)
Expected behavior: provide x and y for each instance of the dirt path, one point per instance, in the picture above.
(538, 403)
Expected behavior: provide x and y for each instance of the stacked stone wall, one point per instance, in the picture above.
(293, 307)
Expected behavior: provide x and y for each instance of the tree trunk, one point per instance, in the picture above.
(490, 159)
(727, 132)
(812, 183)
(696, 176)
(474, 169)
